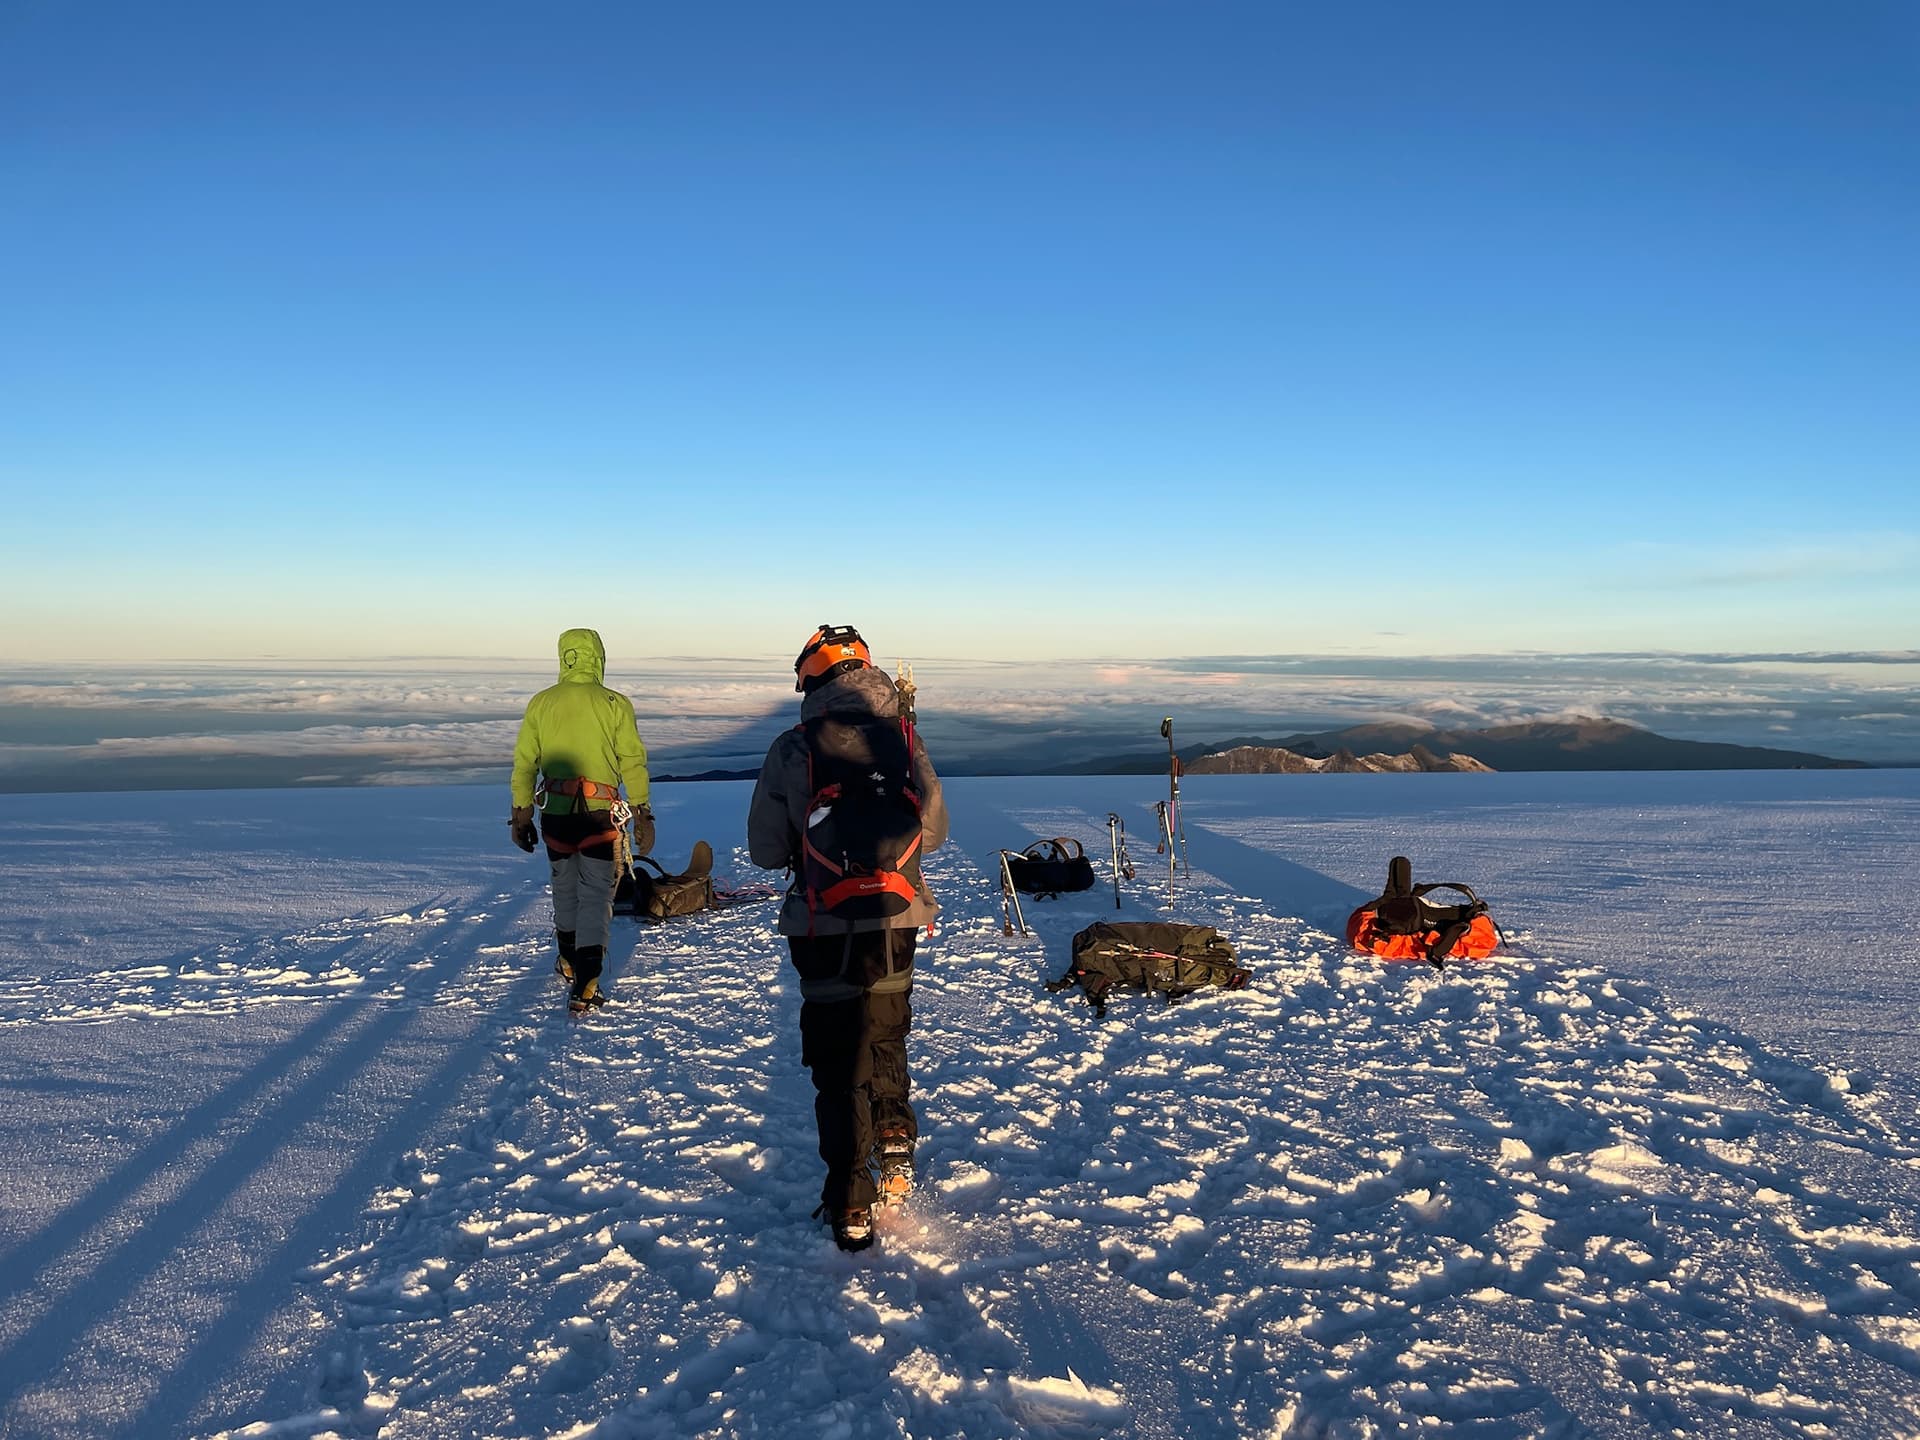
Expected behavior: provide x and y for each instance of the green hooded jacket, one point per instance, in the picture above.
(580, 730)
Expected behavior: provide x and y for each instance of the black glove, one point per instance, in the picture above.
(521, 827)
(642, 830)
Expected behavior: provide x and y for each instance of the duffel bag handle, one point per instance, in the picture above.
(1054, 849)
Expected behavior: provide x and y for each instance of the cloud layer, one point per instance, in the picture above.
(107, 727)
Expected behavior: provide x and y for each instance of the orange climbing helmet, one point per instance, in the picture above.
(828, 651)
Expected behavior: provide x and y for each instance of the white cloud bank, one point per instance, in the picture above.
(400, 722)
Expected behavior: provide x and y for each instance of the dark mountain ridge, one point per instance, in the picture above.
(1271, 760)
(1583, 743)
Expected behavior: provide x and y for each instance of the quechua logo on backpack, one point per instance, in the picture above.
(861, 850)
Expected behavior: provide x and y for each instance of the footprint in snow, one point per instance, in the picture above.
(579, 1355)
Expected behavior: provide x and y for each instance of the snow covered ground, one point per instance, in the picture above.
(299, 1142)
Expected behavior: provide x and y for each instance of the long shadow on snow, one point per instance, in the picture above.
(32, 1257)
(169, 1410)
(39, 1352)
(984, 823)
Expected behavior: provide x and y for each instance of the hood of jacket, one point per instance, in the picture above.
(867, 691)
(583, 659)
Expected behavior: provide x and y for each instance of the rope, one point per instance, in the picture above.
(622, 813)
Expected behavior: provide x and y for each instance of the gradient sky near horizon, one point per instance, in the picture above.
(1029, 330)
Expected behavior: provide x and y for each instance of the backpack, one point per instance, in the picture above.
(656, 895)
(1050, 868)
(1173, 960)
(860, 855)
(1404, 925)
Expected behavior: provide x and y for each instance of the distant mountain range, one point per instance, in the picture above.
(1580, 744)
(1274, 760)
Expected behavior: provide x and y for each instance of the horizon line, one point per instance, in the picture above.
(1827, 656)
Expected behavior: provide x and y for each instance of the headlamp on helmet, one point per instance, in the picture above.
(828, 651)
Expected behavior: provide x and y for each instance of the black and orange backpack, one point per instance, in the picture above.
(860, 855)
(1403, 924)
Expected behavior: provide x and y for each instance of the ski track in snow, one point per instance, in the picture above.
(1524, 1198)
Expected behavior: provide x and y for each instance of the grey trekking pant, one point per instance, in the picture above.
(583, 897)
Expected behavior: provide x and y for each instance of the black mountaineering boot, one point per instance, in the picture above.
(853, 1228)
(585, 993)
(563, 967)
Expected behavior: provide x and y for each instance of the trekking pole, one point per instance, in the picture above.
(1114, 826)
(566, 1046)
(909, 722)
(1009, 899)
(1166, 843)
(1176, 822)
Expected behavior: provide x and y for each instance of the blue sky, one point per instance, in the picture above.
(1051, 330)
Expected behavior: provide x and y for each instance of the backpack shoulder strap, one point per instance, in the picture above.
(1060, 847)
(1399, 878)
(1399, 887)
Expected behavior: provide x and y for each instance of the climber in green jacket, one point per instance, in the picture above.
(580, 738)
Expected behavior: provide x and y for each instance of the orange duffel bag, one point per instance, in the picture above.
(1403, 924)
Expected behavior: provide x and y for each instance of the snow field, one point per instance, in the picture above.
(1524, 1198)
